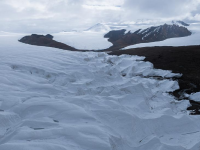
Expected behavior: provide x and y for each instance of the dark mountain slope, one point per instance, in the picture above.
(121, 39)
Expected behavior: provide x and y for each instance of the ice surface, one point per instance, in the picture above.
(60, 100)
(195, 96)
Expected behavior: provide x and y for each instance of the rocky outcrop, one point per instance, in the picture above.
(49, 36)
(41, 40)
(115, 35)
(121, 39)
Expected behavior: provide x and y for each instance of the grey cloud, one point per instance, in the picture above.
(161, 8)
(59, 15)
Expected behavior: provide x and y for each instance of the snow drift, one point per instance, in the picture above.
(60, 100)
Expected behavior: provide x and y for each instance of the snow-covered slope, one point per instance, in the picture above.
(83, 40)
(60, 100)
(155, 33)
(182, 41)
(144, 25)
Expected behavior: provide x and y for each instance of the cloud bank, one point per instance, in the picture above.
(63, 15)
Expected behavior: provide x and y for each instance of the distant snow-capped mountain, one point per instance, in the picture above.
(180, 23)
(99, 28)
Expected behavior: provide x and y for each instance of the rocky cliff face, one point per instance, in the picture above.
(41, 40)
(115, 35)
(121, 39)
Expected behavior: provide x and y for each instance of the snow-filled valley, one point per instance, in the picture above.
(53, 99)
(91, 39)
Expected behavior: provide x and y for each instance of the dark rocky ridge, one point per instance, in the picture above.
(117, 37)
(184, 60)
(41, 40)
(159, 33)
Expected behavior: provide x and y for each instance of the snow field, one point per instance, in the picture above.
(85, 40)
(53, 99)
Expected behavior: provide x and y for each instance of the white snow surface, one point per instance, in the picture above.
(60, 100)
(181, 41)
(85, 40)
(195, 96)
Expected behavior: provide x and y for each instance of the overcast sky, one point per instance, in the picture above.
(60, 15)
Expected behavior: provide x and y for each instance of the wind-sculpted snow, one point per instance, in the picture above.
(195, 96)
(60, 100)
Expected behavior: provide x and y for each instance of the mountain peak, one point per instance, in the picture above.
(180, 23)
(99, 27)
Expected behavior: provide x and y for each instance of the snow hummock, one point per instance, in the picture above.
(60, 100)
